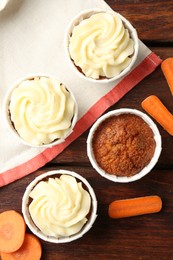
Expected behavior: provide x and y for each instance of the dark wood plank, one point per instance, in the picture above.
(143, 237)
(152, 19)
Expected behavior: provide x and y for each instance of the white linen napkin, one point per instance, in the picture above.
(32, 41)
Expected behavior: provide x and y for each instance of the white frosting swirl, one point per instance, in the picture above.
(59, 206)
(41, 110)
(101, 46)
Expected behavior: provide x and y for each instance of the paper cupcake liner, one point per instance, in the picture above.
(146, 169)
(33, 227)
(10, 125)
(86, 14)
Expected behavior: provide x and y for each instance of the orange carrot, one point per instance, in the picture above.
(159, 112)
(167, 68)
(134, 207)
(30, 250)
(12, 231)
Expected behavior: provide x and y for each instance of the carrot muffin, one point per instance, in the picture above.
(123, 145)
(59, 206)
(101, 46)
(42, 110)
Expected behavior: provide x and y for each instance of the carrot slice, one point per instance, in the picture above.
(167, 68)
(134, 207)
(159, 112)
(31, 249)
(12, 231)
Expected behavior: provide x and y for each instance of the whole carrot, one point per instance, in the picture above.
(167, 68)
(153, 106)
(134, 207)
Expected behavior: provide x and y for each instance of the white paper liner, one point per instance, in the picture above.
(86, 14)
(9, 122)
(31, 224)
(146, 169)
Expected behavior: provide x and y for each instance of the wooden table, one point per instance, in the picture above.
(143, 237)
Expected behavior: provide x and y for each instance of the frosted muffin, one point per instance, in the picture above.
(59, 206)
(124, 145)
(102, 45)
(41, 110)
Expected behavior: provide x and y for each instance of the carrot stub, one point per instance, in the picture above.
(134, 207)
(153, 106)
(167, 68)
(30, 250)
(12, 231)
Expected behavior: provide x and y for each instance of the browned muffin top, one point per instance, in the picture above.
(123, 145)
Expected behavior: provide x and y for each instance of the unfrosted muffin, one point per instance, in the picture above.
(102, 44)
(41, 110)
(124, 145)
(59, 206)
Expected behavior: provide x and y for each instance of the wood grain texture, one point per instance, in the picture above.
(138, 238)
(143, 236)
(152, 19)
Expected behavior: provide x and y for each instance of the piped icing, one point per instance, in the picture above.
(59, 206)
(101, 46)
(41, 110)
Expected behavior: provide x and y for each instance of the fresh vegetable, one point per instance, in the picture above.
(30, 250)
(153, 106)
(167, 68)
(134, 207)
(12, 231)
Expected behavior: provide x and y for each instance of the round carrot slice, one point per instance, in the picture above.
(30, 249)
(12, 231)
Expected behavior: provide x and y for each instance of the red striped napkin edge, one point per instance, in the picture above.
(147, 66)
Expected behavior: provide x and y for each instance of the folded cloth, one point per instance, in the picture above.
(32, 41)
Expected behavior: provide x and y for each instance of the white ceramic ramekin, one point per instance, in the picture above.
(10, 125)
(33, 227)
(3, 4)
(86, 14)
(146, 169)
